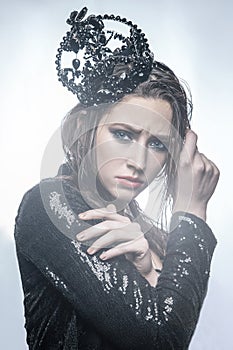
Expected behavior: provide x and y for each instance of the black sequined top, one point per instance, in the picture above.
(77, 301)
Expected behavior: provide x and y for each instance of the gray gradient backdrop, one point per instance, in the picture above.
(195, 39)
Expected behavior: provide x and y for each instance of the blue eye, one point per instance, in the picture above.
(122, 135)
(158, 145)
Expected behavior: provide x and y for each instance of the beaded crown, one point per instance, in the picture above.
(100, 74)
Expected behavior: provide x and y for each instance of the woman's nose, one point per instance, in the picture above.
(137, 157)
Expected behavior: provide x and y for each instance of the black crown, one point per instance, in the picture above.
(106, 74)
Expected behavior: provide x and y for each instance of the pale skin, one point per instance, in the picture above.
(140, 154)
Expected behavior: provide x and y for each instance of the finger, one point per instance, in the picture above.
(103, 213)
(216, 169)
(206, 164)
(137, 246)
(189, 148)
(111, 208)
(199, 163)
(210, 162)
(99, 230)
(110, 239)
(210, 168)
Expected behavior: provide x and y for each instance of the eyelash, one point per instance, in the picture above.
(121, 134)
(118, 134)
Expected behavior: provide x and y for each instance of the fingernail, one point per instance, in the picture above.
(91, 250)
(80, 236)
(82, 215)
(103, 256)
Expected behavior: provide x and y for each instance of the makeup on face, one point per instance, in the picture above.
(131, 145)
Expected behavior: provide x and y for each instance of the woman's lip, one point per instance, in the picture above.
(129, 182)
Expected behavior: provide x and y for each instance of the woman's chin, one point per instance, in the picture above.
(124, 197)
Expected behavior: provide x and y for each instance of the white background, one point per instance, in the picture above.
(195, 39)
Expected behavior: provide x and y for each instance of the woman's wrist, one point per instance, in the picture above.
(199, 211)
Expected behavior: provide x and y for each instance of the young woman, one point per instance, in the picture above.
(97, 273)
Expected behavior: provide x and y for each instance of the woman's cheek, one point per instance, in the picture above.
(156, 162)
(109, 151)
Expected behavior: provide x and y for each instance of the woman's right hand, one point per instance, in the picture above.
(118, 236)
(197, 177)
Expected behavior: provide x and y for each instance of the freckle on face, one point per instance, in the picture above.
(132, 158)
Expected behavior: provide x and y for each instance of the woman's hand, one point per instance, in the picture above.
(197, 177)
(121, 236)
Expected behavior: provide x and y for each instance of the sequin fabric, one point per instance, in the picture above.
(61, 210)
(77, 301)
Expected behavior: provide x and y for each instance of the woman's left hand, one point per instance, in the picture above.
(120, 235)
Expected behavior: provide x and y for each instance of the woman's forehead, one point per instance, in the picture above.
(152, 115)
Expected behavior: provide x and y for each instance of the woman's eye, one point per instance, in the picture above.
(158, 145)
(122, 135)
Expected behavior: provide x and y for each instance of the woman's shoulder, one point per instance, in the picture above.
(61, 182)
(53, 201)
(54, 187)
(46, 187)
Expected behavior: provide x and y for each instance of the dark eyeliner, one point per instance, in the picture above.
(116, 134)
(157, 148)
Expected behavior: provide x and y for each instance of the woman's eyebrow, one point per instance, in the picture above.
(163, 138)
(127, 126)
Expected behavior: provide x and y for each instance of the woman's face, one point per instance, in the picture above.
(131, 145)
